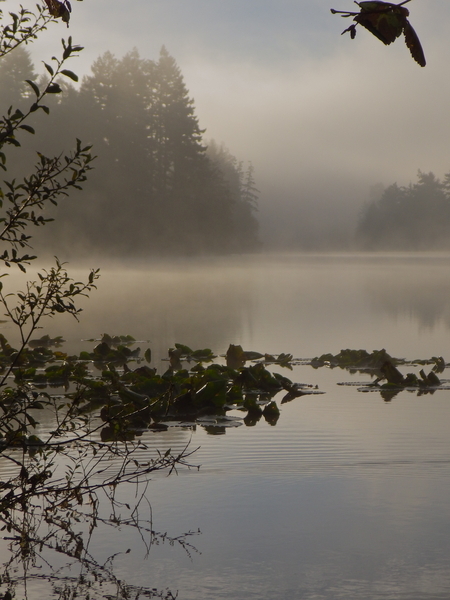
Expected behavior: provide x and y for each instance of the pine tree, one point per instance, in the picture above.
(112, 105)
(174, 127)
(244, 194)
(416, 217)
(154, 189)
(247, 224)
(15, 69)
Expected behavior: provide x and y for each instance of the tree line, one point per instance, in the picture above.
(157, 188)
(413, 217)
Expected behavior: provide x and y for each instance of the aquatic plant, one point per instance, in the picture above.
(389, 380)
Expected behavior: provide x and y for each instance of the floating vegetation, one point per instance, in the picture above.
(363, 361)
(46, 341)
(132, 398)
(114, 340)
(184, 353)
(355, 360)
(237, 357)
(390, 381)
(115, 383)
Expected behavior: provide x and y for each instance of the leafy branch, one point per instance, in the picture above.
(24, 28)
(15, 118)
(52, 178)
(55, 293)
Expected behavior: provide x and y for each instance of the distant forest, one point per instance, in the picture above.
(416, 217)
(156, 188)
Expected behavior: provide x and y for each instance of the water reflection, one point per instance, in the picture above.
(347, 501)
(348, 497)
(302, 304)
(61, 500)
(417, 288)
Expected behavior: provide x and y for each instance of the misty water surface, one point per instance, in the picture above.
(303, 304)
(348, 496)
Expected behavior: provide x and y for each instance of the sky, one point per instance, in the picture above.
(323, 118)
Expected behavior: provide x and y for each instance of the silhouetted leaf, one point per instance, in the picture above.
(387, 22)
(34, 87)
(49, 69)
(70, 74)
(27, 128)
(53, 88)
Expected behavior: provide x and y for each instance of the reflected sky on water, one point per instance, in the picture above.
(303, 304)
(348, 496)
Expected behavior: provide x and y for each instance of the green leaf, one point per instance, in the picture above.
(34, 87)
(18, 114)
(213, 390)
(49, 69)
(27, 128)
(185, 350)
(30, 420)
(53, 88)
(70, 74)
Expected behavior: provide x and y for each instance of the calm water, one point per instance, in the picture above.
(347, 497)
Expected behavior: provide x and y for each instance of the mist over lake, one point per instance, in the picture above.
(248, 215)
(347, 496)
(305, 304)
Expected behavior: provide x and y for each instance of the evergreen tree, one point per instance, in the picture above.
(244, 194)
(174, 128)
(416, 217)
(116, 98)
(15, 69)
(155, 189)
(248, 224)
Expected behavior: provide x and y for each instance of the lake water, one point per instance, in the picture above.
(348, 496)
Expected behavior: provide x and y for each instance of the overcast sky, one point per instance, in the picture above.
(322, 117)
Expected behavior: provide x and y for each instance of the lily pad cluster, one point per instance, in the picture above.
(362, 360)
(392, 381)
(354, 360)
(115, 382)
(202, 394)
(394, 377)
(389, 380)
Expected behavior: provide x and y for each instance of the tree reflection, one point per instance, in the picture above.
(51, 517)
